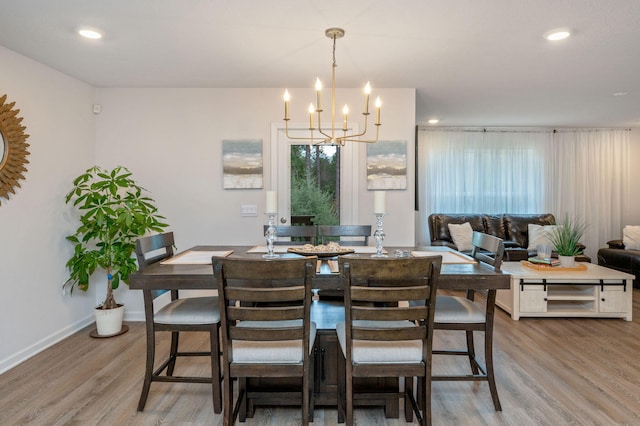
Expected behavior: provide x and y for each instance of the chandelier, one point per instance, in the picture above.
(333, 135)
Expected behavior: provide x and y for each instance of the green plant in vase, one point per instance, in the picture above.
(566, 237)
(115, 212)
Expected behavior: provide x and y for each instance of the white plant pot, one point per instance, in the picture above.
(109, 321)
(567, 261)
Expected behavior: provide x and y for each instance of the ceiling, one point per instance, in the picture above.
(472, 63)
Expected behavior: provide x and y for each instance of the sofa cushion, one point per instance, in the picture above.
(462, 235)
(631, 237)
(439, 229)
(517, 226)
(622, 260)
(494, 225)
(539, 235)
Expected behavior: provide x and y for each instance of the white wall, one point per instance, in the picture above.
(56, 111)
(171, 139)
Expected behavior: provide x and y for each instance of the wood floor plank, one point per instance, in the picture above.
(549, 372)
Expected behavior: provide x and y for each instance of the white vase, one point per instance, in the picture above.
(109, 321)
(567, 261)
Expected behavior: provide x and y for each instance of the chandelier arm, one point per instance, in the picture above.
(295, 138)
(350, 137)
(323, 133)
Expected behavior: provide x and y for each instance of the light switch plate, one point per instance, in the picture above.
(248, 210)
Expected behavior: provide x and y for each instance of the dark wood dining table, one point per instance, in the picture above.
(455, 276)
(325, 313)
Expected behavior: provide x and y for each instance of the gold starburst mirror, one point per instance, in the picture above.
(13, 148)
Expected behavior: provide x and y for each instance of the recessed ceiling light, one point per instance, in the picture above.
(621, 94)
(89, 33)
(433, 121)
(556, 35)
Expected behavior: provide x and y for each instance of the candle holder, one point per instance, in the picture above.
(271, 234)
(378, 235)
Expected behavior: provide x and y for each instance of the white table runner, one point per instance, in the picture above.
(195, 257)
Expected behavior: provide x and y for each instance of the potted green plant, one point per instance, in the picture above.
(114, 213)
(565, 239)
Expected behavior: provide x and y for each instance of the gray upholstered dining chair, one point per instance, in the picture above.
(384, 336)
(357, 235)
(266, 328)
(295, 235)
(179, 315)
(470, 315)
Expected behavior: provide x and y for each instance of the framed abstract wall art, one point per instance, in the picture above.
(242, 164)
(387, 165)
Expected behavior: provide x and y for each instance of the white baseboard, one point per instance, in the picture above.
(19, 357)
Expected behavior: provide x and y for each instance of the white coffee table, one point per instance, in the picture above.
(593, 292)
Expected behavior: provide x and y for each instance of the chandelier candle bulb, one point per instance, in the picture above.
(367, 92)
(345, 111)
(318, 90)
(378, 105)
(311, 117)
(272, 202)
(286, 104)
(379, 202)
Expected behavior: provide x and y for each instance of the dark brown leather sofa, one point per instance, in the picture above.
(616, 256)
(512, 228)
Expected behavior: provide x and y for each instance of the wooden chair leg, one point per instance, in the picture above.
(408, 390)
(175, 336)
(215, 369)
(148, 371)
(311, 387)
(341, 386)
(426, 401)
(227, 400)
(305, 396)
(488, 354)
(349, 396)
(245, 409)
(471, 351)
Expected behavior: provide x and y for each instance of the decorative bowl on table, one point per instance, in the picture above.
(323, 250)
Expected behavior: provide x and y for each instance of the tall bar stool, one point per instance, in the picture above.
(394, 340)
(267, 331)
(357, 235)
(298, 235)
(179, 315)
(469, 315)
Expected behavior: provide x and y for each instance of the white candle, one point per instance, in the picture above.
(367, 92)
(378, 202)
(287, 97)
(272, 202)
(378, 105)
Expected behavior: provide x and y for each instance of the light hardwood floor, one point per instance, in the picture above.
(549, 372)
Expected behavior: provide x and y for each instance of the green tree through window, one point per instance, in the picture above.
(315, 183)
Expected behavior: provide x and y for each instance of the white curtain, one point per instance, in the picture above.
(591, 180)
(579, 172)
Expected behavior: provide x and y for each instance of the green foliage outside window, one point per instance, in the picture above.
(313, 183)
(308, 199)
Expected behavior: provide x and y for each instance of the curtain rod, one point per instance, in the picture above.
(524, 130)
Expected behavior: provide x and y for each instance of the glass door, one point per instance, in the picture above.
(316, 184)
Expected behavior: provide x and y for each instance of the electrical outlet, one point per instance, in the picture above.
(248, 210)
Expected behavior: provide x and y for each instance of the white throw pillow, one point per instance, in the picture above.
(631, 237)
(539, 235)
(461, 235)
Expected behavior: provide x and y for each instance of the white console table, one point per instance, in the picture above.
(594, 292)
